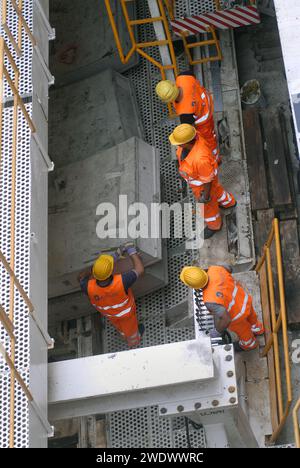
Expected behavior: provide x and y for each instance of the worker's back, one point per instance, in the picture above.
(111, 299)
(223, 289)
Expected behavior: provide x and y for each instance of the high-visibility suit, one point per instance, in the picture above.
(119, 307)
(224, 290)
(199, 168)
(198, 102)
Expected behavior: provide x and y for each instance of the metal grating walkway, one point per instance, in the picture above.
(143, 427)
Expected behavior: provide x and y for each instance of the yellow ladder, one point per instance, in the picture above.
(140, 47)
(213, 41)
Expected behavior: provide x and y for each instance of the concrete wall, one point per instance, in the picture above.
(85, 44)
(91, 115)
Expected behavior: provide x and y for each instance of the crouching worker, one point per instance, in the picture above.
(228, 302)
(111, 295)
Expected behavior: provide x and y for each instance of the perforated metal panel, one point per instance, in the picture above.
(22, 251)
(139, 428)
(24, 63)
(196, 7)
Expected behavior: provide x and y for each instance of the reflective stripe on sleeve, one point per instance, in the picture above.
(202, 119)
(223, 197)
(198, 183)
(227, 202)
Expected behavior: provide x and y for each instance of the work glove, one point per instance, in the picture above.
(117, 254)
(130, 248)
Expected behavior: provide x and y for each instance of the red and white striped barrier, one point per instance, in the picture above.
(223, 19)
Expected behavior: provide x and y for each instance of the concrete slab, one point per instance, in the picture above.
(129, 169)
(84, 42)
(90, 116)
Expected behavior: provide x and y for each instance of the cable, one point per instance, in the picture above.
(186, 420)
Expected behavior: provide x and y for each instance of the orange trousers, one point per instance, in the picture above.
(246, 330)
(219, 197)
(127, 326)
(207, 131)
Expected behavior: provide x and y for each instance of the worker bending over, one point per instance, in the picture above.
(111, 294)
(193, 104)
(200, 170)
(228, 302)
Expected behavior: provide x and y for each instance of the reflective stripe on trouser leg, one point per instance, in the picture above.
(225, 199)
(127, 326)
(212, 215)
(134, 339)
(257, 326)
(242, 328)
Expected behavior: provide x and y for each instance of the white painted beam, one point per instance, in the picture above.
(130, 371)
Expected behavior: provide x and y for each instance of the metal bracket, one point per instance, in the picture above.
(50, 30)
(42, 418)
(50, 77)
(49, 163)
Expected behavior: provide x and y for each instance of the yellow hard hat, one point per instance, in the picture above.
(103, 267)
(167, 91)
(194, 277)
(182, 134)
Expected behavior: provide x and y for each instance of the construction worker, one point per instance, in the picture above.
(200, 170)
(193, 104)
(226, 299)
(111, 295)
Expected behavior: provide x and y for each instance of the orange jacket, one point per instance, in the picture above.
(196, 100)
(198, 167)
(111, 300)
(223, 289)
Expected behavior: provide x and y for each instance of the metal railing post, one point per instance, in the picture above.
(277, 323)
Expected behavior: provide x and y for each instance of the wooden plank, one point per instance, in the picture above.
(255, 160)
(291, 268)
(270, 358)
(274, 146)
(262, 227)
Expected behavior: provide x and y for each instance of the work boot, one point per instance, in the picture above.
(141, 329)
(208, 233)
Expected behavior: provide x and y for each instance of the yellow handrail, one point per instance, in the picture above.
(207, 42)
(139, 47)
(278, 323)
(296, 423)
(170, 6)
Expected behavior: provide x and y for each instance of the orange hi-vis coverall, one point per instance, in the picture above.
(113, 302)
(196, 100)
(199, 168)
(224, 290)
